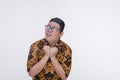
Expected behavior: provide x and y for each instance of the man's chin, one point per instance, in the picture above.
(48, 39)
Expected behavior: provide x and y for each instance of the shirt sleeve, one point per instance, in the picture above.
(32, 57)
(65, 59)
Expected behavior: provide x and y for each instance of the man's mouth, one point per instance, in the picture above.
(48, 35)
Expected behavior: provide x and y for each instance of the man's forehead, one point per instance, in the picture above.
(53, 24)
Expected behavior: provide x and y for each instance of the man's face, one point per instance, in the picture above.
(52, 32)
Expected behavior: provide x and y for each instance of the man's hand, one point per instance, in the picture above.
(46, 49)
(53, 52)
(50, 52)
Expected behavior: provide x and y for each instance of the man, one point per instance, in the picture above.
(50, 58)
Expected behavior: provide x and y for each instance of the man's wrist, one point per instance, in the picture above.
(46, 57)
(53, 58)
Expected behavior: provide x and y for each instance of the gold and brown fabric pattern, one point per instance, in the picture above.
(36, 53)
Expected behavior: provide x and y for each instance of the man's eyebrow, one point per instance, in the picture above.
(51, 26)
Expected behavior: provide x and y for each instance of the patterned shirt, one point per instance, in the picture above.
(36, 53)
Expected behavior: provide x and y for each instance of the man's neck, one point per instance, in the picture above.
(52, 44)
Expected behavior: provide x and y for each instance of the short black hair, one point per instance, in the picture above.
(58, 21)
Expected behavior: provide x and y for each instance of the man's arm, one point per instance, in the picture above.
(58, 68)
(38, 66)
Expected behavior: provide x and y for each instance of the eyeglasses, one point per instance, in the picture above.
(53, 29)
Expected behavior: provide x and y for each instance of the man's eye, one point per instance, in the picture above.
(53, 27)
(48, 26)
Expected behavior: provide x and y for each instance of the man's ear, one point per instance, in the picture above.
(61, 34)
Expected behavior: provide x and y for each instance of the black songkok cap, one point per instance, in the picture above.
(60, 22)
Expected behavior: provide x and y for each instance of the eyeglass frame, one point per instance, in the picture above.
(53, 29)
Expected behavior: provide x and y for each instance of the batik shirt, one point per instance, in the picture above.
(36, 53)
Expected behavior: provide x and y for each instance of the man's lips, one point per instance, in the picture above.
(48, 35)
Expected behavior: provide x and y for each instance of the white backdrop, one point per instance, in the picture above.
(92, 31)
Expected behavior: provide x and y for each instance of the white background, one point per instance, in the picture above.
(92, 31)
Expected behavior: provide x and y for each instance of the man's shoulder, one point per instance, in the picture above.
(38, 42)
(65, 45)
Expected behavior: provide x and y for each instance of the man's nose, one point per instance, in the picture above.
(50, 30)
